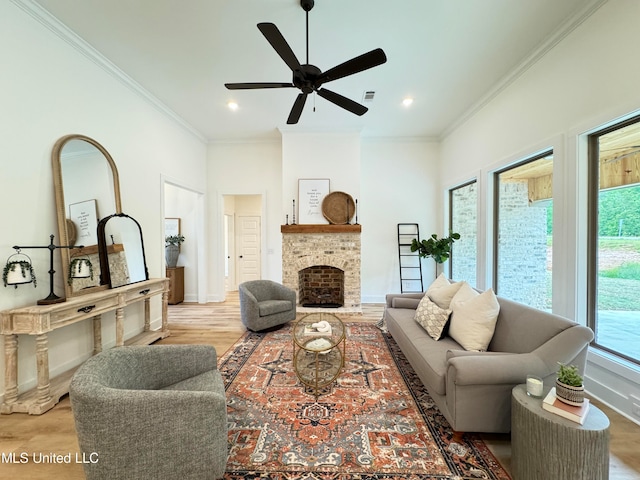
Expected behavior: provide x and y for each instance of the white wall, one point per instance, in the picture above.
(582, 83)
(247, 168)
(399, 184)
(394, 179)
(51, 89)
(335, 156)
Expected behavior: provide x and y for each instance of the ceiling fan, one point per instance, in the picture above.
(309, 78)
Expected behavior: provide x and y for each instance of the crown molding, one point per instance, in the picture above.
(46, 19)
(545, 47)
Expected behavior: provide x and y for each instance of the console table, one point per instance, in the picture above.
(39, 320)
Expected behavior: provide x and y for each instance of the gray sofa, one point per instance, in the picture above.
(473, 389)
(151, 412)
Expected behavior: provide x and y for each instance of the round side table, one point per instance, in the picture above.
(546, 445)
(318, 358)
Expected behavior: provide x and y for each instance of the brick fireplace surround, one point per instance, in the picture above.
(338, 246)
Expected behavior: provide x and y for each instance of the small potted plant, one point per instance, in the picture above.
(17, 272)
(80, 268)
(172, 249)
(437, 248)
(569, 385)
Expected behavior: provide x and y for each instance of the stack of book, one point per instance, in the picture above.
(553, 404)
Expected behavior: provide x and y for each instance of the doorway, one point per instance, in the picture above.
(243, 239)
(186, 204)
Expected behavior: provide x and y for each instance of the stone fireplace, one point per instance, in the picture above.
(322, 264)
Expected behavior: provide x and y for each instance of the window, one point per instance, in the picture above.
(523, 231)
(463, 219)
(614, 239)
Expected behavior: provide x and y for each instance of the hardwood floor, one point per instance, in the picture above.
(219, 325)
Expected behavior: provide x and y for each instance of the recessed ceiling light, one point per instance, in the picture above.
(407, 101)
(232, 105)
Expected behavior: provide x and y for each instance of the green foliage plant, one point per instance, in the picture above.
(173, 240)
(568, 374)
(74, 266)
(25, 268)
(437, 248)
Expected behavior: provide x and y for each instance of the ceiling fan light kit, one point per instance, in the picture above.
(309, 78)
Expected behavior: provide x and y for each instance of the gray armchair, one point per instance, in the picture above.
(153, 411)
(265, 304)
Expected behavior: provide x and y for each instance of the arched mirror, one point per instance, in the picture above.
(87, 188)
(122, 259)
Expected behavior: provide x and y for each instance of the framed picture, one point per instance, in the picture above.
(84, 216)
(171, 226)
(311, 192)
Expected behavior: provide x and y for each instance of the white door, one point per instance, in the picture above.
(248, 248)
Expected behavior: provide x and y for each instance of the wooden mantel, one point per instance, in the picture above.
(321, 228)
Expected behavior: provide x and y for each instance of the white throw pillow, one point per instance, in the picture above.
(432, 318)
(441, 291)
(473, 318)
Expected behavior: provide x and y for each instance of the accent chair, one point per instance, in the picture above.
(265, 304)
(152, 411)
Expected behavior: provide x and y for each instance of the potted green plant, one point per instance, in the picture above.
(17, 272)
(172, 249)
(569, 385)
(437, 248)
(80, 268)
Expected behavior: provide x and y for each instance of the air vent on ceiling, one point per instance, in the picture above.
(368, 96)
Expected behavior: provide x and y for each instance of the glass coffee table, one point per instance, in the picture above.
(318, 356)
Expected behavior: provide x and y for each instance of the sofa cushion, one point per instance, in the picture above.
(441, 291)
(400, 302)
(432, 318)
(427, 357)
(473, 317)
(270, 307)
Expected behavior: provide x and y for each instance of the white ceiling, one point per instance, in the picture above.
(449, 55)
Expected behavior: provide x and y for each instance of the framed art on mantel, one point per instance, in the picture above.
(311, 191)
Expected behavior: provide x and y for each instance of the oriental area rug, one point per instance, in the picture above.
(376, 422)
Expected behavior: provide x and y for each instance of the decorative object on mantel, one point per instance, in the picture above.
(338, 208)
(172, 249)
(437, 248)
(294, 213)
(356, 211)
(311, 194)
(569, 385)
(52, 298)
(18, 270)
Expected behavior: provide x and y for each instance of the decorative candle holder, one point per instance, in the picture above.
(535, 386)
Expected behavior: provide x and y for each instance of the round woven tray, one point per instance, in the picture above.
(338, 208)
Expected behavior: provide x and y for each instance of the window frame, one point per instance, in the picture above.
(496, 208)
(593, 200)
(450, 192)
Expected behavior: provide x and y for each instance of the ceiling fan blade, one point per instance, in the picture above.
(279, 44)
(355, 65)
(296, 111)
(247, 86)
(343, 102)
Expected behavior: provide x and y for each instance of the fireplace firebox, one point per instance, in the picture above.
(321, 286)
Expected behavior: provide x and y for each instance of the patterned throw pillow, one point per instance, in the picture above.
(432, 318)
